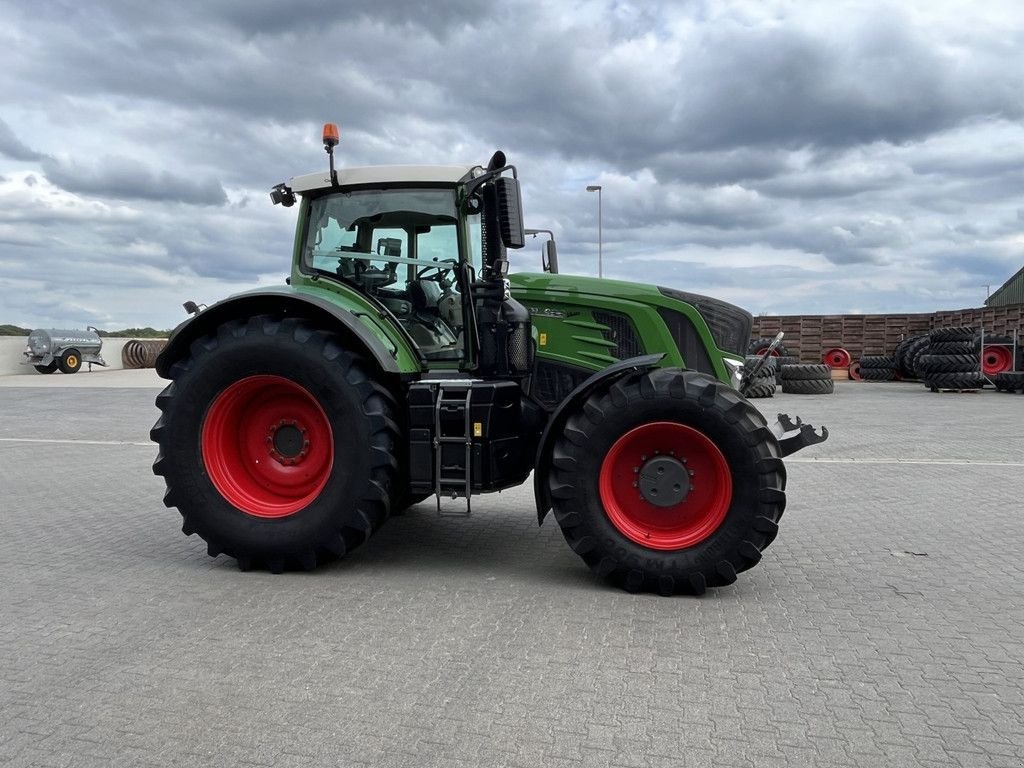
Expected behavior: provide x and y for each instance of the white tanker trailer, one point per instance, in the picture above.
(51, 348)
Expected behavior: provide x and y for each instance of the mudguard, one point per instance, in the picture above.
(283, 301)
(561, 415)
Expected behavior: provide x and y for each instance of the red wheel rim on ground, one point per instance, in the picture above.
(268, 446)
(996, 359)
(837, 357)
(680, 525)
(855, 372)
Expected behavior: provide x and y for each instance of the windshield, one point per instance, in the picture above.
(400, 246)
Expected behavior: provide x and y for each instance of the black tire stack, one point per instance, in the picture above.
(907, 354)
(1010, 382)
(807, 379)
(780, 362)
(763, 384)
(951, 360)
(877, 368)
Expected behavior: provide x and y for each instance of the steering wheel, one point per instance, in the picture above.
(441, 267)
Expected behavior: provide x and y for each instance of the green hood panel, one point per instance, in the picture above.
(590, 323)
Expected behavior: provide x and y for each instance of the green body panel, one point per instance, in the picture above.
(562, 306)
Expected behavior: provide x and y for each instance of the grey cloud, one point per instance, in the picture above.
(816, 126)
(125, 179)
(12, 146)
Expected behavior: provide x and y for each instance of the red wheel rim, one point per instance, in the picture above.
(837, 357)
(996, 359)
(267, 446)
(683, 524)
(855, 372)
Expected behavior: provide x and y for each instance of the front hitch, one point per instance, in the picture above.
(794, 436)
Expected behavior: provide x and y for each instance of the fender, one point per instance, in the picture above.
(289, 302)
(561, 415)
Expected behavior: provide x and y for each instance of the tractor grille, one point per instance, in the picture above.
(729, 325)
(620, 331)
(687, 340)
(552, 382)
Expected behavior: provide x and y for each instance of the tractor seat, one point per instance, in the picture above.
(424, 295)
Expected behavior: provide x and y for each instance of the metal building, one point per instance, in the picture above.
(1011, 292)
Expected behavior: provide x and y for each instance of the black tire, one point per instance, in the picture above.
(685, 400)
(936, 381)
(952, 333)
(878, 374)
(46, 368)
(806, 372)
(914, 359)
(1010, 381)
(362, 437)
(756, 345)
(876, 361)
(954, 348)
(905, 357)
(761, 388)
(808, 386)
(781, 361)
(929, 364)
(70, 361)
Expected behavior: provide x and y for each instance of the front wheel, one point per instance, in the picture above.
(668, 481)
(46, 368)
(277, 444)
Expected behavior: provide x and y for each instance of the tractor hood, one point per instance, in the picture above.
(729, 325)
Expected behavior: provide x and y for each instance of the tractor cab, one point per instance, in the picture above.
(425, 247)
(401, 247)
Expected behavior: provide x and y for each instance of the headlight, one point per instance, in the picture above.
(735, 368)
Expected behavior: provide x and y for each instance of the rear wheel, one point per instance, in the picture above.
(276, 443)
(668, 481)
(70, 361)
(46, 368)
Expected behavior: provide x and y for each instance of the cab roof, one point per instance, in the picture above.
(383, 174)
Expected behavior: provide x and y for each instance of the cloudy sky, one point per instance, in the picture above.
(791, 157)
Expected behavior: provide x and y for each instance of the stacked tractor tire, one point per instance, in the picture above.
(781, 368)
(908, 354)
(949, 358)
(952, 360)
(877, 368)
(807, 379)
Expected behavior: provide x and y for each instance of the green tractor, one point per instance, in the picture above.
(402, 360)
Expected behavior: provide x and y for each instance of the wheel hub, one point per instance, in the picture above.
(664, 481)
(288, 442)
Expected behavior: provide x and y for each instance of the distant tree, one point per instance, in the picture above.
(124, 333)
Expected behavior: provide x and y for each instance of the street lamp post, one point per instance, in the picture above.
(597, 188)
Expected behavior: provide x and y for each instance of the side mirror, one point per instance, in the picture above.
(549, 257)
(510, 211)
